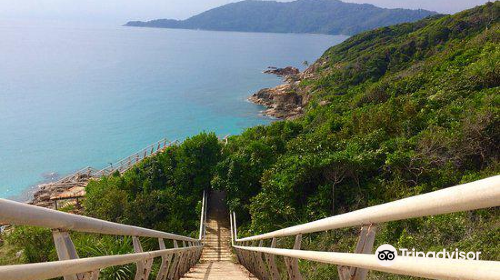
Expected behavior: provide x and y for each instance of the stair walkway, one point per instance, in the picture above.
(217, 261)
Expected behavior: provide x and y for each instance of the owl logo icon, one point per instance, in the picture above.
(386, 255)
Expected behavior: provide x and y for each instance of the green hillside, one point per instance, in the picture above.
(394, 112)
(302, 16)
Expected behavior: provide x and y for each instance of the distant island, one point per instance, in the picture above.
(302, 16)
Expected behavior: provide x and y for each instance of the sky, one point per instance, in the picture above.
(121, 11)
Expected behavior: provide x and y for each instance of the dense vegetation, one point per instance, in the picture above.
(302, 16)
(162, 192)
(394, 112)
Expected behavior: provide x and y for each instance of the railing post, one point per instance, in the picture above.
(292, 264)
(143, 267)
(94, 275)
(364, 246)
(202, 218)
(253, 262)
(344, 273)
(165, 262)
(231, 228)
(242, 257)
(175, 263)
(271, 262)
(66, 251)
(189, 259)
(200, 250)
(233, 240)
(262, 267)
(235, 227)
(180, 264)
(249, 259)
(185, 259)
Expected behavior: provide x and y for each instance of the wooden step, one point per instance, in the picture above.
(225, 270)
(217, 259)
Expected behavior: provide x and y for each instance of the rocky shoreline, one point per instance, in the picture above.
(282, 72)
(281, 102)
(63, 192)
(285, 101)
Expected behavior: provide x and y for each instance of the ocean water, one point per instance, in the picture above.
(75, 96)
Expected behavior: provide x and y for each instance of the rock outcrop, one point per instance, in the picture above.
(70, 186)
(283, 72)
(282, 101)
(286, 101)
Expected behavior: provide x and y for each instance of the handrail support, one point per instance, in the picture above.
(175, 262)
(292, 264)
(271, 263)
(65, 249)
(165, 262)
(364, 245)
(143, 267)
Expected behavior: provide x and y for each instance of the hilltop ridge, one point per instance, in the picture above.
(376, 55)
(301, 16)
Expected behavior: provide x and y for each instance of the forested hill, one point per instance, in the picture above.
(302, 16)
(391, 113)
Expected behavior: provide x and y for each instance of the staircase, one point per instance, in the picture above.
(217, 239)
(216, 260)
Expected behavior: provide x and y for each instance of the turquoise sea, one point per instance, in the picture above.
(86, 95)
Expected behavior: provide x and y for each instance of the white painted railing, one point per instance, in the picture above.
(126, 163)
(203, 216)
(122, 165)
(175, 262)
(87, 171)
(476, 195)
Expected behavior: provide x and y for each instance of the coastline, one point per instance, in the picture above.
(283, 102)
(280, 102)
(288, 100)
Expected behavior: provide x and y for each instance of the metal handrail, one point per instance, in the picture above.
(86, 170)
(127, 162)
(48, 270)
(203, 216)
(15, 213)
(471, 196)
(123, 164)
(411, 266)
(174, 262)
(476, 195)
(73, 268)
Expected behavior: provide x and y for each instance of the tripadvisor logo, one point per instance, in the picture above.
(386, 254)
